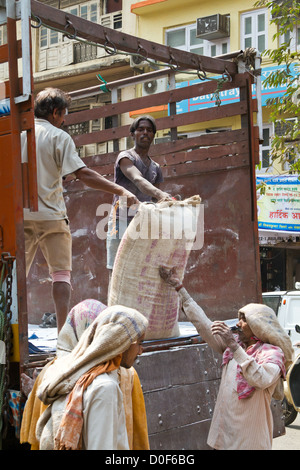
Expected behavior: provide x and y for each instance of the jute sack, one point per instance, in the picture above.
(159, 234)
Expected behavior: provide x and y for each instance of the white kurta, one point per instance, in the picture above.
(245, 424)
(104, 426)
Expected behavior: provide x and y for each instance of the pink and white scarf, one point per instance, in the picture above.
(262, 353)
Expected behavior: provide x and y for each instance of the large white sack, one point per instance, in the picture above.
(159, 234)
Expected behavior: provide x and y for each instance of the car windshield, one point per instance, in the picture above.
(272, 301)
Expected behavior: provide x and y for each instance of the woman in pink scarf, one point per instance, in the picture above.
(254, 366)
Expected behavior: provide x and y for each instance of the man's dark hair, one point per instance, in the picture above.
(135, 123)
(49, 99)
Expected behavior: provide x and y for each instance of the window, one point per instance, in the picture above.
(293, 38)
(254, 30)
(94, 12)
(284, 129)
(265, 148)
(279, 129)
(87, 11)
(112, 20)
(184, 38)
(266, 145)
(51, 38)
(3, 35)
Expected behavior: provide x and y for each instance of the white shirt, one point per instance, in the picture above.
(104, 426)
(56, 157)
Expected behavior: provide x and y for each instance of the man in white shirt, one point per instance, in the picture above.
(49, 226)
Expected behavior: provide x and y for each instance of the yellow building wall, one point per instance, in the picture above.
(153, 17)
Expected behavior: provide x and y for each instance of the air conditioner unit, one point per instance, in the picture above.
(137, 62)
(155, 86)
(213, 27)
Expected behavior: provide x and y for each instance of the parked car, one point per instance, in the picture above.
(286, 305)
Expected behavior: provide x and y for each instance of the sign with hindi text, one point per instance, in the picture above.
(278, 208)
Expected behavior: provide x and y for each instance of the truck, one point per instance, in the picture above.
(218, 165)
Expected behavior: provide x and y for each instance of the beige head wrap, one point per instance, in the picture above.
(110, 334)
(266, 327)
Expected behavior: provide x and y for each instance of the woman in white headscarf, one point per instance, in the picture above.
(254, 366)
(78, 321)
(83, 387)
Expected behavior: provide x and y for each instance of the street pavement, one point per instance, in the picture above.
(291, 440)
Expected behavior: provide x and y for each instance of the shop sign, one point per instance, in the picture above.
(271, 237)
(231, 96)
(278, 208)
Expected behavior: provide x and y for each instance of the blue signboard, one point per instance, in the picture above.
(231, 96)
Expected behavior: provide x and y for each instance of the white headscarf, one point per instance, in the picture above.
(266, 327)
(110, 334)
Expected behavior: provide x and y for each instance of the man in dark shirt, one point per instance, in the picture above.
(139, 174)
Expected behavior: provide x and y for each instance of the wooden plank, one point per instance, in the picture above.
(4, 51)
(180, 163)
(222, 157)
(27, 120)
(101, 159)
(211, 138)
(207, 166)
(5, 125)
(159, 151)
(205, 153)
(7, 87)
(74, 25)
(185, 119)
(156, 150)
(256, 144)
(166, 97)
(208, 161)
(25, 184)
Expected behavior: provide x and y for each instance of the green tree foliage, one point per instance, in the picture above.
(285, 144)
